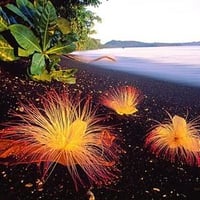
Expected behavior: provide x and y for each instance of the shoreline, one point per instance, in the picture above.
(184, 94)
(143, 175)
(180, 65)
(159, 97)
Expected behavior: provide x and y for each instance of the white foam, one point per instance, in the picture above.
(177, 64)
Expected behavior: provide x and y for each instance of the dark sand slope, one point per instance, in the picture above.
(143, 175)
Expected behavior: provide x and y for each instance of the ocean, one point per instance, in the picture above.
(174, 64)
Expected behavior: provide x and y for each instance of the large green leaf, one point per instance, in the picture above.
(60, 49)
(25, 37)
(24, 53)
(44, 76)
(3, 24)
(54, 61)
(64, 25)
(38, 64)
(18, 12)
(24, 3)
(6, 50)
(41, 3)
(65, 76)
(47, 20)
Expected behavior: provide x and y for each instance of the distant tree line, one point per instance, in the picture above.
(81, 20)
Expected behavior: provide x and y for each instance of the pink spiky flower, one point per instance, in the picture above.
(66, 131)
(175, 140)
(123, 100)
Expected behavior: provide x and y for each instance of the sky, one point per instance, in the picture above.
(148, 20)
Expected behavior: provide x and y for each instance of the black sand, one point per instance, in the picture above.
(143, 176)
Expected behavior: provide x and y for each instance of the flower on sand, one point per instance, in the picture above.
(66, 131)
(123, 100)
(176, 140)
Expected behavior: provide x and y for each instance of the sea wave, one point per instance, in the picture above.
(176, 64)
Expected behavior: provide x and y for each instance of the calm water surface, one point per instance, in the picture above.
(176, 64)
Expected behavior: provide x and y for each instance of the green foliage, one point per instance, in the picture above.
(38, 64)
(64, 25)
(82, 24)
(66, 76)
(3, 24)
(38, 35)
(80, 18)
(18, 12)
(6, 50)
(92, 43)
(59, 3)
(25, 38)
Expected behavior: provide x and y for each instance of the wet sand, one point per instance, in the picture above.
(143, 176)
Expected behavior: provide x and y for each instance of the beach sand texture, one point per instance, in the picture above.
(143, 175)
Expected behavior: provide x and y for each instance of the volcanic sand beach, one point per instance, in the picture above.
(143, 175)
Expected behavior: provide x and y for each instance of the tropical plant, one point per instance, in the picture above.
(83, 23)
(92, 43)
(37, 33)
(81, 19)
